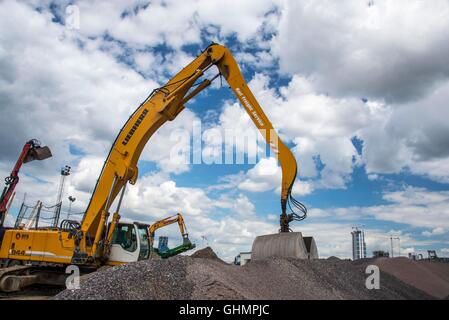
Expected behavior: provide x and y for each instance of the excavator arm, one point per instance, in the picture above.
(186, 243)
(163, 105)
(230, 70)
(168, 221)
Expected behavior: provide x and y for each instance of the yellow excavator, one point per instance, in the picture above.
(91, 243)
(165, 252)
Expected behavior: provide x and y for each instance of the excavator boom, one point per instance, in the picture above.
(163, 105)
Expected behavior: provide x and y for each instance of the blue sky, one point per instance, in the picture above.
(360, 102)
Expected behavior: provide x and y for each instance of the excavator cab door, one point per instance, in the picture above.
(125, 244)
(144, 241)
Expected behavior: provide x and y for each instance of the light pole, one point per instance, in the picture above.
(65, 172)
(71, 200)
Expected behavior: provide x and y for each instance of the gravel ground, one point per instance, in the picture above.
(430, 277)
(184, 277)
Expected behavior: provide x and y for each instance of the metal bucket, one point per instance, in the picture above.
(284, 244)
(38, 153)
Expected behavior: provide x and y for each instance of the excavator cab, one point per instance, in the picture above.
(133, 241)
(129, 243)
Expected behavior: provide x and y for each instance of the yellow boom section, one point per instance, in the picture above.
(164, 104)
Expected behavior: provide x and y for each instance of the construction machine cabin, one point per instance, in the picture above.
(91, 242)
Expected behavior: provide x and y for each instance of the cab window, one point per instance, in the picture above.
(125, 236)
(144, 243)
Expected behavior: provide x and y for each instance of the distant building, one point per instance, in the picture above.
(243, 258)
(415, 256)
(432, 255)
(358, 244)
(380, 254)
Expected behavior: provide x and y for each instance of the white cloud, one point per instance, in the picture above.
(45, 64)
(175, 23)
(354, 50)
(412, 135)
(393, 50)
(434, 232)
(228, 181)
(266, 175)
(157, 196)
(415, 207)
(359, 59)
(321, 128)
(71, 95)
(239, 205)
(86, 173)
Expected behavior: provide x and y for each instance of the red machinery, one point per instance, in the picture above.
(31, 151)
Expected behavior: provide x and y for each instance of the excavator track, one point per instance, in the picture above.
(36, 292)
(15, 278)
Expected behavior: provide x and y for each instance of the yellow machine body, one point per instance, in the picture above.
(51, 246)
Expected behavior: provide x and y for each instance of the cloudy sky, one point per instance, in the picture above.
(358, 89)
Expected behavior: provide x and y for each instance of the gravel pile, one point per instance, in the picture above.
(184, 277)
(334, 258)
(277, 278)
(143, 280)
(430, 277)
(206, 253)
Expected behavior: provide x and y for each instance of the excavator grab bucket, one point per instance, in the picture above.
(284, 245)
(38, 153)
